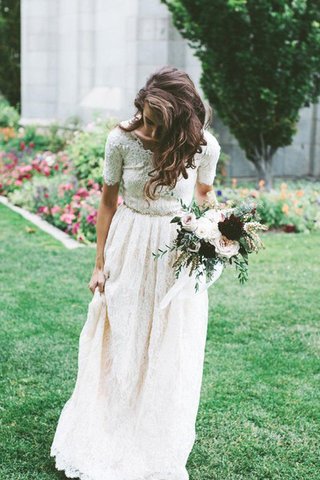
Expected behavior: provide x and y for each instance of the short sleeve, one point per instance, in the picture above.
(209, 158)
(113, 160)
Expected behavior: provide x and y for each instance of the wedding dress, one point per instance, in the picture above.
(133, 410)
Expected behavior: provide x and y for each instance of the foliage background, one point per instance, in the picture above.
(10, 51)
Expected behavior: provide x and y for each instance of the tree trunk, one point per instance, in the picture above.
(264, 170)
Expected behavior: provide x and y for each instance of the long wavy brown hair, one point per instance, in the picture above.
(172, 95)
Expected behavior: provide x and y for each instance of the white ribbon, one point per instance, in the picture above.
(184, 287)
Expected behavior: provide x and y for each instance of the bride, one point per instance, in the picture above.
(133, 409)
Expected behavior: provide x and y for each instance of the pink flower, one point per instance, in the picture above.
(18, 183)
(92, 218)
(67, 186)
(46, 171)
(55, 209)
(26, 168)
(75, 228)
(67, 218)
(43, 209)
(82, 193)
(120, 200)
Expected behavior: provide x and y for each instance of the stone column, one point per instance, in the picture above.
(39, 58)
(68, 58)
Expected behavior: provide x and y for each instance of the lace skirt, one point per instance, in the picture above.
(133, 409)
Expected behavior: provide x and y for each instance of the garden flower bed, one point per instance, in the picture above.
(290, 207)
(64, 186)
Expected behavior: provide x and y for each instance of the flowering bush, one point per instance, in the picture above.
(62, 201)
(291, 207)
(86, 149)
(27, 140)
(13, 173)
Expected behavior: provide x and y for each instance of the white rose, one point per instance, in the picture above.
(214, 215)
(225, 247)
(205, 229)
(189, 222)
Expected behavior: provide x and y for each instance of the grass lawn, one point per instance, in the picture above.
(259, 412)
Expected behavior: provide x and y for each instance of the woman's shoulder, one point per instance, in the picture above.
(117, 135)
(213, 146)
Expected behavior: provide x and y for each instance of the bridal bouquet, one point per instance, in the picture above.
(214, 235)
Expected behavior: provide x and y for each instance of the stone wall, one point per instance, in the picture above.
(82, 57)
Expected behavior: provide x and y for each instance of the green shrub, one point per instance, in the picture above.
(9, 116)
(36, 139)
(86, 150)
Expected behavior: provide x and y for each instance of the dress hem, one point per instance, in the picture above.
(61, 464)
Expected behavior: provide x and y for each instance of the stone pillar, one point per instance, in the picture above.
(39, 57)
(314, 163)
(68, 58)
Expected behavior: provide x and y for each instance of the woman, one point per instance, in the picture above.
(133, 409)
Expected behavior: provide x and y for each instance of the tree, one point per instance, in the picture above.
(10, 50)
(260, 64)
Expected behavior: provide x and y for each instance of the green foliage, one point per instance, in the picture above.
(51, 138)
(10, 50)
(261, 64)
(86, 150)
(9, 117)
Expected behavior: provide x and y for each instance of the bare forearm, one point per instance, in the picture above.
(104, 218)
(200, 198)
(204, 193)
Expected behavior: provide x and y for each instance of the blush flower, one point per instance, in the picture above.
(189, 222)
(226, 247)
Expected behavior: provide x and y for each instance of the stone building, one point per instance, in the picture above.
(85, 56)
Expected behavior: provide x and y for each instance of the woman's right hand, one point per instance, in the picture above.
(98, 279)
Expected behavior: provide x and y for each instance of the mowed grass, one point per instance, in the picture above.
(258, 416)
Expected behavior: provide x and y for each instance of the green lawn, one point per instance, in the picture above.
(259, 412)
